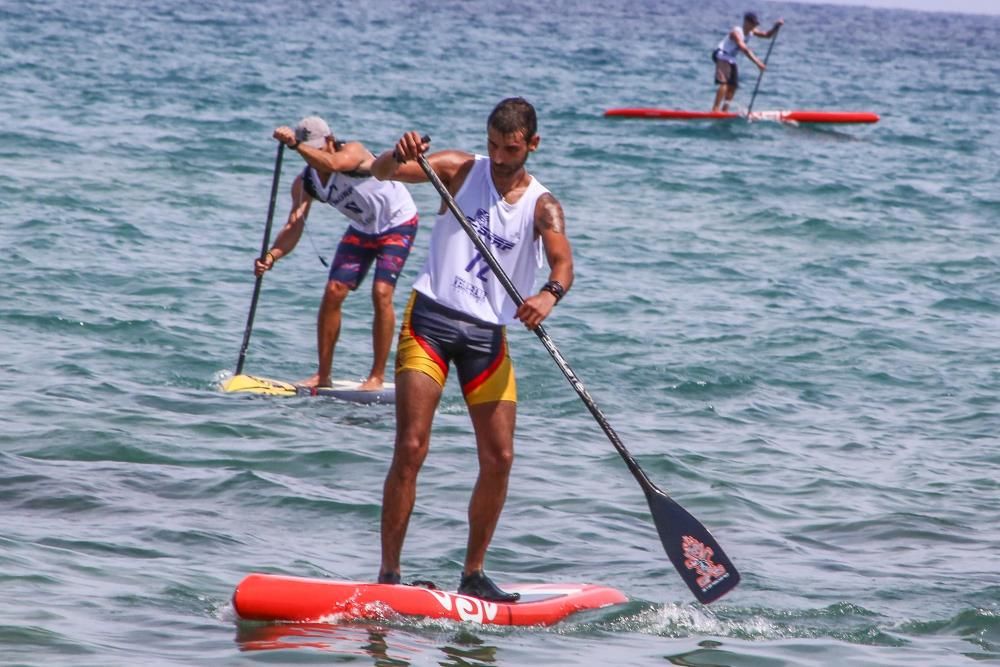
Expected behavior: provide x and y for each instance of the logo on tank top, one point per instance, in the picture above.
(481, 223)
(475, 291)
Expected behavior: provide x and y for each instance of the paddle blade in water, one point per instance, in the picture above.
(256, 385)
(699, 559)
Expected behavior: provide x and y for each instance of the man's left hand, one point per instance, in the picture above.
(535, 309)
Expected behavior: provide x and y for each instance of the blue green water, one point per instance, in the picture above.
(794, 330)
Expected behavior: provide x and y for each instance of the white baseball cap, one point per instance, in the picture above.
(312, 131)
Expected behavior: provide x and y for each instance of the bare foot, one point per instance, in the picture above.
(315, 381)
(371, 384)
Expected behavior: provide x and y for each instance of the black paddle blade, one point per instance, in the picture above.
(701, 562)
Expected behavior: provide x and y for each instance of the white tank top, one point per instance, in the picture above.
(728, 46)
(455, 274)
(371, 205)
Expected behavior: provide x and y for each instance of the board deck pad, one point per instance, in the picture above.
(270, 597)
(786, 116)
(345, 390)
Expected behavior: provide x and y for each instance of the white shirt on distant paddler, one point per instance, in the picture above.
(455, 274)
(371, 205)
(728, 46)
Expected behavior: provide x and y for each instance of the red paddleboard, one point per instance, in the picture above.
(269, 597)
(671, 114)
(800, 116)
(791, 116)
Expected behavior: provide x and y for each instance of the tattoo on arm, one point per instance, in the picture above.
(549, 216)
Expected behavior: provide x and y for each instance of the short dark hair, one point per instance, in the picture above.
(514, 114)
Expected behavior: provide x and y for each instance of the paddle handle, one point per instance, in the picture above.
(561, 362)
(263, 253)
(760, 75)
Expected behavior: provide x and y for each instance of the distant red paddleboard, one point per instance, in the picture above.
(268, 597)
(792, 116)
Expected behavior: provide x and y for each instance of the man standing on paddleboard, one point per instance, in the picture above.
(458, 313)
(383, 224)
(724, 57)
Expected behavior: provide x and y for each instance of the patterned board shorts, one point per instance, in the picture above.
(433, 336)
(388, 250)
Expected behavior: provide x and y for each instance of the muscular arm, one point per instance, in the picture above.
(446, 164)
(746, 49)
(550, 226)
(770, 33)
(290, 234)
(351, 157)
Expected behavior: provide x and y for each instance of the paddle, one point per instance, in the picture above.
(760, 75)
(699, 559)
(263, 253)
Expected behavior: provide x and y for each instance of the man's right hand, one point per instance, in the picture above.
(409, 146)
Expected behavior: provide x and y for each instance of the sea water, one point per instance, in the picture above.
(793, 329)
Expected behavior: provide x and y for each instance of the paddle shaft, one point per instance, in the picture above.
(760, 75)
(263, 253)
(505, 280)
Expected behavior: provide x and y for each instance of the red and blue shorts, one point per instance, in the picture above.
(388, 250)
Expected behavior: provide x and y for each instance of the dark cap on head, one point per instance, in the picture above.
(752, 17)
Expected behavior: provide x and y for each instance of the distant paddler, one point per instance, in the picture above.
(724, 57)
(381, 228)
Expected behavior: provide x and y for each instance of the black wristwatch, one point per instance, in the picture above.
(555, 288)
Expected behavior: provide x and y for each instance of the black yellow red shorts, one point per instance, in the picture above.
(433, 336)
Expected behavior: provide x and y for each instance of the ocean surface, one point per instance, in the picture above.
(795, 331)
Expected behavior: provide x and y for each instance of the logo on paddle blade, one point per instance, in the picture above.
(698, 557)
